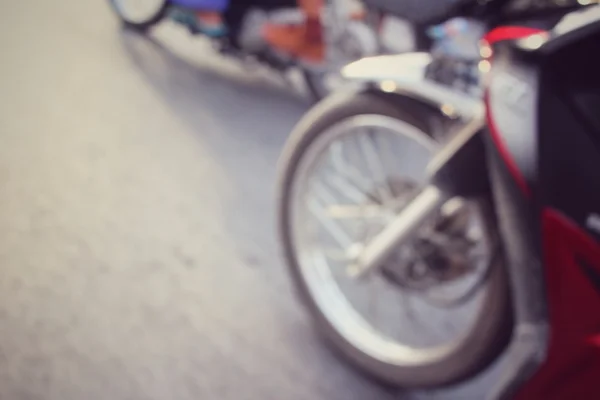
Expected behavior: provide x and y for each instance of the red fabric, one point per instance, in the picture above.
(314, 30)
(572, 369)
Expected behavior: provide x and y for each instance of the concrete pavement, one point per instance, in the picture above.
(136, 243)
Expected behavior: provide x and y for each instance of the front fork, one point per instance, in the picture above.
(458, 170)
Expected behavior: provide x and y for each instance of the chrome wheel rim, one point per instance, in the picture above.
(317, 261)
(138, 11)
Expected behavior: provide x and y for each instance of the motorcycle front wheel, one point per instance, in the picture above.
(322, 218)
(139, 15)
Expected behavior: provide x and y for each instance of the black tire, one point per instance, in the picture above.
(492, 331)
(141, 26)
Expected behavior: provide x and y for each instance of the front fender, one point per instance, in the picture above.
(405, 74)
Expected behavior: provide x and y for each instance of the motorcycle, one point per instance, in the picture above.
(347, 37)
(478, 212)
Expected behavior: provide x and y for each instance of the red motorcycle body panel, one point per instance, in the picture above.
(544, 137)
(572, 264)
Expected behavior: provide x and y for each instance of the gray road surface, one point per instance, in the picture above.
(136, 243)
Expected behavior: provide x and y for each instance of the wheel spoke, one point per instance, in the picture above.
(335, 231)
(373, 305)
(337, 255)
(407, 306)
(346, 188)
(375, 165)
(322, 192)
(347, 171)
(350, 211)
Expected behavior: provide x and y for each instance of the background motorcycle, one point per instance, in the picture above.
(524, 167)
(347, 39)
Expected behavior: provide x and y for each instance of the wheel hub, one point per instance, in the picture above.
(440, 252)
